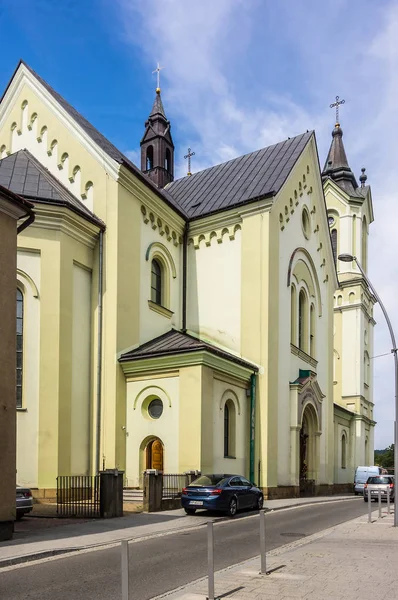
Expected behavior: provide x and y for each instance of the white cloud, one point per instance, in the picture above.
(244, 74)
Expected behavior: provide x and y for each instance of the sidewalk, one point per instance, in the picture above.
(105, 532)
(352, 561)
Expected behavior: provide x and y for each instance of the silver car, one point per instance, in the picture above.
(377, 483)
(24, 501)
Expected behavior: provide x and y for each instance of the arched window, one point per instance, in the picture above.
(149, 158)
(167, 161)
(229, 429)
(302, 324)
(312, 330)
(293, 317)
(334, 243)
(364, 257)
(19, 357)
(343, 451)
(156, 282)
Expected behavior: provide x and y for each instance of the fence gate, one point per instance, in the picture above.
(78, 496)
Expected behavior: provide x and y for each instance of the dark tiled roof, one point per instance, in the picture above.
(23, 203)
(100, 139)
(176, 342)
(238, 181)
(24, 175)
(158, 108)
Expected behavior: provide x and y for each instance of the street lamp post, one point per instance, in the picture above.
(350, 258)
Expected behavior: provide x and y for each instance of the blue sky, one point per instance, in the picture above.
(239, 75)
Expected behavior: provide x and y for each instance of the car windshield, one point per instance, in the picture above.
(206, 480)
(380, 480)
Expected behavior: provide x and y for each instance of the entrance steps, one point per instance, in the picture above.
(133, 495)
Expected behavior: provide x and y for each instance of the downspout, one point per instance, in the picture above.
(26, 223)
(184, 277)
(99, 352)
(252, 423)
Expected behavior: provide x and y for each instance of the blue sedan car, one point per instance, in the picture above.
(225, 493)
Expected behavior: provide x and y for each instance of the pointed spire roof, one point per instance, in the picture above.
(336, 165)
(157, 108)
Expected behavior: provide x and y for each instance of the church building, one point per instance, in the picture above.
(202, 323)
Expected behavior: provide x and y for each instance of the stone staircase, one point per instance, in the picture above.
(133, 495)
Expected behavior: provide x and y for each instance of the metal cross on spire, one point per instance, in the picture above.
(157, 71)
(188, 156)
(336, 105)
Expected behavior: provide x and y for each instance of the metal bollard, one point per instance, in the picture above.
(210, 560)
(369, 507)
(379, 501)
(262, 544)
(125, 569)
(388, 501)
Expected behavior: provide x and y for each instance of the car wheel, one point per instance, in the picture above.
(190, 511)
(19, 516)
(365, 499)
(232, 508)
(260, 503)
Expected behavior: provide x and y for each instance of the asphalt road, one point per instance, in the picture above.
(164, 563)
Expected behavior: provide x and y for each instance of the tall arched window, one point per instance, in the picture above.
(167, 161)
(149, 158)
(364, 257)
(19, 357)
(312, 330)
(334, 243)
(343, 451)
(156, 282)
(302, 324)
(293, 317)
(229, 429)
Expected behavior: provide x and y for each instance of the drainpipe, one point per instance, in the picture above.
(26, 223)
(252, 422)
(99, 352)
(184, 278)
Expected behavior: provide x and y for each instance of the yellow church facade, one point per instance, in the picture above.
(181, 325)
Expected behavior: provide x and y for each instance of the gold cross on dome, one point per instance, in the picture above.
(188, 156)
(157, 71)
(336, 105)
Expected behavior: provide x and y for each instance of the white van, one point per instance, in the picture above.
(362, 474)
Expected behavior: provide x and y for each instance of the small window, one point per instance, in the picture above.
(167, 161)
(149, 158)
(343, 452)
(155, 408)
(156, 282)
(302, 324)
(19, 357)
(229, 429)
(305, 223)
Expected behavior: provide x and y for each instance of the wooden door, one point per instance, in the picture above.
(157, 455)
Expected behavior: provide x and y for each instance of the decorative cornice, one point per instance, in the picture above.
(60, 218)
(217, 235)
(203, 358)
(24, 75)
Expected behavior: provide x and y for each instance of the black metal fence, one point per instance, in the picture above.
(78, 496)
(174, 484)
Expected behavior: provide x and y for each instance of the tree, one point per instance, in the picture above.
(385, 458)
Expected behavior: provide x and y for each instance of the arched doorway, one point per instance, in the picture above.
(154, 455)
(309, 458)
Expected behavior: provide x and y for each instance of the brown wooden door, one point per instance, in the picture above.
(157, 455)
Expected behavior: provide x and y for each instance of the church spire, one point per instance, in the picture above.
(157, 148)
(336, 165)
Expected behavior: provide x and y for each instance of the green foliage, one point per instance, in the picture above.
(385, 458)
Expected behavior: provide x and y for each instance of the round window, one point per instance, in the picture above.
(331, 220)
(155, 408)
(305, 221)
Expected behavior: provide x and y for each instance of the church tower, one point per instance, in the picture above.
(350, 213)
(157, 148)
